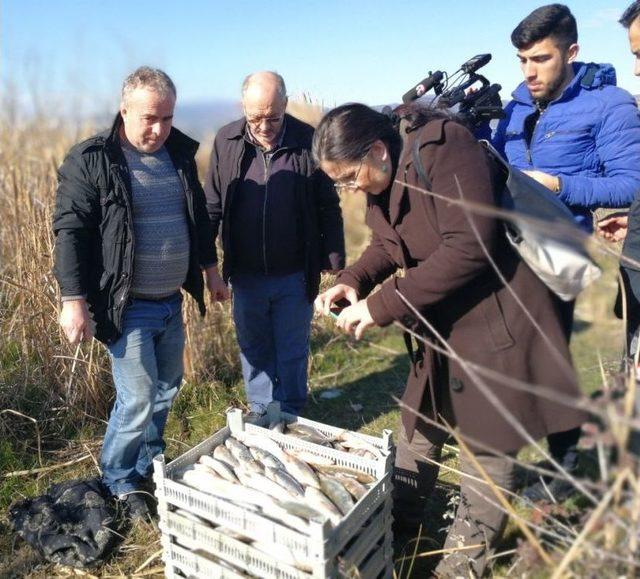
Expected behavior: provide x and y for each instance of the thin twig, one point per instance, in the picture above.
(35, 423)
(45, 468)
(148, 561)
(441, 552)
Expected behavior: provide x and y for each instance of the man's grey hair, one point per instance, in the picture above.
(281, 87)
(150, 78)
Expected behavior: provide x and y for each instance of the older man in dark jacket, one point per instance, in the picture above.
(131, 229)
(281, 226)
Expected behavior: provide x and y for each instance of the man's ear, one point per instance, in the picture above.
(123, 110)
(572, 53)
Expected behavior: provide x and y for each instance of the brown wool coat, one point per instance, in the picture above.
(448, 278)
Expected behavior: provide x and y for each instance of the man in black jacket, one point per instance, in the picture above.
(281, 226)
(625, 226)
(131, 229)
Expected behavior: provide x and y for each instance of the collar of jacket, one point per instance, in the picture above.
(431, 132)
(177, 142)
(588, 75)
(294, 137)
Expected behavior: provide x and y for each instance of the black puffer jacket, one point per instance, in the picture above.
(93, 226)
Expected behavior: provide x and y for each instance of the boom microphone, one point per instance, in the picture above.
(423, 87)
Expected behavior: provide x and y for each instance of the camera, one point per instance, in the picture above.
(471, 96)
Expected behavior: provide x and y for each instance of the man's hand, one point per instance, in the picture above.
(75, 321)
(326, 299)
(613, 228)
(551, 182)
(355, 319)
(215, 284)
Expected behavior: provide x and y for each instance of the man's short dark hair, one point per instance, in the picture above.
(553, 20)
(630, 14)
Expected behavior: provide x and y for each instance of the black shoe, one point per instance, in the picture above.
(135, 506)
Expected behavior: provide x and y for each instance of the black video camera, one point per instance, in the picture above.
(477, 100)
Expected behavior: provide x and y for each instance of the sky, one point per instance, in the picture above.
(71, 55)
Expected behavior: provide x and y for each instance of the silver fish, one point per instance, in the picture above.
(268, 444)
(220, 467)
(260, 483)
(199, 467)
(353, 440)
(317, 500)
(238, 450)
(250, 466)
(217, 486)
(266, 458)
(221, 452)
(360, 476)
(336, 492)
(285, 480)
(364, 453)
(312, 458)
(307, 430)
(356, 489)
(301, 471)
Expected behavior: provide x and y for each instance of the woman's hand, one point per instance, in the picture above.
(355, 319)
(338, 292)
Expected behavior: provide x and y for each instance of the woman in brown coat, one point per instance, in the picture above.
(470, 315)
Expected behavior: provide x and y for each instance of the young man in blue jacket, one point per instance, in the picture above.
(570, 128)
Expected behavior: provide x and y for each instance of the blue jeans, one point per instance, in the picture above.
(273, 321)
(147, 371)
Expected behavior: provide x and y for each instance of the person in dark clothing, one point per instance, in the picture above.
(570, 128)
(281, 225)
(626, 227)
(449, 282)
(131, 230)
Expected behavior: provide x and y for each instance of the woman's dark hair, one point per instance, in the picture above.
(553, 20)
(630, 14)
(347, 132)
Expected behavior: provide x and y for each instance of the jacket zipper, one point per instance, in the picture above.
(533, 134)
(267, 162)
(127, 200)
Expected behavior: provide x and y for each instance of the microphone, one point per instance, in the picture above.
(475, 63)
(423, 87)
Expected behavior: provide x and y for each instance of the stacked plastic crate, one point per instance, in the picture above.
(207, 536)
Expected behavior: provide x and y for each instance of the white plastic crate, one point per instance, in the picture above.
(360, 545)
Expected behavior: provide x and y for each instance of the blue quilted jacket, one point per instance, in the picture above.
(589, 136)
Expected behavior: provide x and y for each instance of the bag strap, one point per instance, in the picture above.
(491, 150)
(419, 167)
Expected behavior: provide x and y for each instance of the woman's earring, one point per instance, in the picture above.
(384, 168)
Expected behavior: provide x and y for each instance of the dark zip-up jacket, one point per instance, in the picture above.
(93, 225)
(318, 205)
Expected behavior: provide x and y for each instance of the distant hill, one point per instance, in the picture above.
(200, 119)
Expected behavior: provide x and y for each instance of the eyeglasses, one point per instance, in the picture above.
(350, 186)
(257, 121)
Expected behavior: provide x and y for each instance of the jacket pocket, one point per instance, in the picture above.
(500, 336)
